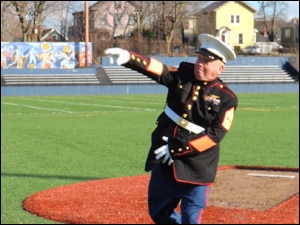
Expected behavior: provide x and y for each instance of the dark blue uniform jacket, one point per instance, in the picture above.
(210, 105)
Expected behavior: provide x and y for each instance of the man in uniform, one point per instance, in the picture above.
(184, 153)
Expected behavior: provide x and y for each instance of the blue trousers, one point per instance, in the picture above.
(165, 193)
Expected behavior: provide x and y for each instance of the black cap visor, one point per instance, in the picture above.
(209, 54)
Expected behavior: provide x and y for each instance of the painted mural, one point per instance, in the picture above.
(44, 55)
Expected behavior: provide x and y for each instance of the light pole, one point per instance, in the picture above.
(87, 34)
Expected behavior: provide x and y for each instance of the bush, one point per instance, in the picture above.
(238, 49)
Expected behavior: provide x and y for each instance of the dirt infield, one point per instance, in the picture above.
(240, 195)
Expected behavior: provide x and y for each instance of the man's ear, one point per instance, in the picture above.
(221, 67)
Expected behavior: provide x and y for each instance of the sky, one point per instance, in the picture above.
(293, 7)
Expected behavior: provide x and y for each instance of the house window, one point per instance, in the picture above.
(117, 19)
(131, 20)
(235, 19)
(241, 39)
(117, 4)
(223, 38)
(103, 20)
(54, 37)
(287, 33)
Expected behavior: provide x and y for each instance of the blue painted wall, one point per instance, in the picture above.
(44, 55)
(133, 89)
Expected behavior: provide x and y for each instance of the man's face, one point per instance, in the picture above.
(207, 69)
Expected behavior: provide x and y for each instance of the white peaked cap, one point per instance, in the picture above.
(215, 48)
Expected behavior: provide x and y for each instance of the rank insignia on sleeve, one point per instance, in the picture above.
(228, 118)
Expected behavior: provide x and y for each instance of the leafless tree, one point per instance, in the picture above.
(10, 27)
(166, 19)
(269, 14)
(59, 15)
(31, 15)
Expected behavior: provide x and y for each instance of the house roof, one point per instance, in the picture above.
(216, 5)
(95, 5)
(46, 33)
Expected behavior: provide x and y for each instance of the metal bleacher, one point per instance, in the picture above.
(231, 74)
(255, 74)
(107, 75)
(50, 80)
(123, 75)
(48, 77)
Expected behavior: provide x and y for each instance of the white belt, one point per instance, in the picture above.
(183, 122)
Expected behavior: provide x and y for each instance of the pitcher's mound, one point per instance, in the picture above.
(240, 195)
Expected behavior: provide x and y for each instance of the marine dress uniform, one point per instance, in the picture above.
(195, 119)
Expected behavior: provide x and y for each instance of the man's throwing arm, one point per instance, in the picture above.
(150, 67)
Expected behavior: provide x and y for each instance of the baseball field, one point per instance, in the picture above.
(59, 141)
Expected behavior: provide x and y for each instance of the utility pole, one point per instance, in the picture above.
(87, 34)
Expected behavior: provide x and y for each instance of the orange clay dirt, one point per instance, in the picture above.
(240, 195)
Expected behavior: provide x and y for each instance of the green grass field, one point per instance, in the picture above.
(52, 141)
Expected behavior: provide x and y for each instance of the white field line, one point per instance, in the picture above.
(294, 107)
(97, 105)
(270, 175)
(149, 101)
(254, 109)
(35, 107)
(248, 106)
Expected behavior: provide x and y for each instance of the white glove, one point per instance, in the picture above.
(163, 151)
(122, 56)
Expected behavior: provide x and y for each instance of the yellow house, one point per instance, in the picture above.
(231, 21)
